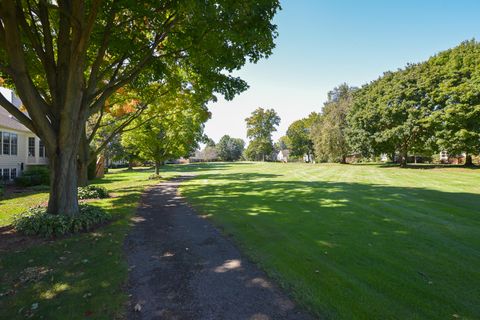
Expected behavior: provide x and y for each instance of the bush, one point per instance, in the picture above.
(36, 221)
(2, 190)
(92, 192)
(34, 176)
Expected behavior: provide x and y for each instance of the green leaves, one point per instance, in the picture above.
(260, 126)
(37, 221)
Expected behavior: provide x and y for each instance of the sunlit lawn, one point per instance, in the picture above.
(354, 241)
(83, 275)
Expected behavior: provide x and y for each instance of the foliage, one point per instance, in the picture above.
(299, 136)
(329, 131)
(37, 221)
(92, 192)
(34, 176)
(260, 126)
(66, 59)
(452, 80)
(423, 108)
(230, 149)
(171, 129)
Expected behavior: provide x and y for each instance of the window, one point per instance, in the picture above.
(13, 144)
(13, 173)
(6, 174)
(6, 143)
(41, 149)
(31, 146)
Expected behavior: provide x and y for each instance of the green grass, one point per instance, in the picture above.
(354, 241)
(85, 273)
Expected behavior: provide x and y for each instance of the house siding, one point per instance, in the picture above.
(21, 161)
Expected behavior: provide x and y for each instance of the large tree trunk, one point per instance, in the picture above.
(157, 167)
(63, 183)
(468, 160)
(343, 160)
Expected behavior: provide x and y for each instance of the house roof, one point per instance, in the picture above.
(10, 122)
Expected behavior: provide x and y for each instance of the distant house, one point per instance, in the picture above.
(19, 147)
(452, 158)
(282, 155)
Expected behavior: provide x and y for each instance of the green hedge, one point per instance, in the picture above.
(34, 176)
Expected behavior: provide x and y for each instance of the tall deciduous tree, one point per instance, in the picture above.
(260, 126)
(65, 58)
(329, 132)
(452, 79)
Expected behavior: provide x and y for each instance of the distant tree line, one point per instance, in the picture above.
(423, 109)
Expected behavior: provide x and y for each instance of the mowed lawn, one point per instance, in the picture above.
(353, 241)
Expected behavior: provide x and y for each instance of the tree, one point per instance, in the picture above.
(328, 132)
(161, 135)
(299, 136)
(452, 83)
(66, 58)
(230, 149)
(260, 126)
(283, 143)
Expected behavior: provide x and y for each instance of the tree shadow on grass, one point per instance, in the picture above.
(395, 242)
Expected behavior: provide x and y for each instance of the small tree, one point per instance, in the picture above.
(299, 136)
(230, 149)
(260, 126)
(160, 136)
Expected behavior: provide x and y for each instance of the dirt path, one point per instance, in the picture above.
(183, 268)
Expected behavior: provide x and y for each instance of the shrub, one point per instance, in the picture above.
(92, 192)
(2, 190)
(36, 221)
(34, 176)
(155, 177)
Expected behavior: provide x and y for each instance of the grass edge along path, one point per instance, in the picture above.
(81, 276)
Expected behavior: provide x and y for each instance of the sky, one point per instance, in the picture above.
(322, 44)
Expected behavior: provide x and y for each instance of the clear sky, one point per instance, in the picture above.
(322, 44)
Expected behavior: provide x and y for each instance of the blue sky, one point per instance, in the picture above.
(324, 43)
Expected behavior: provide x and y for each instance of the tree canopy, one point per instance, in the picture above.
(260, 126)
(230, 149)
(66, 58)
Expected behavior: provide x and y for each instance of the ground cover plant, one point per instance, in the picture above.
(92, 192)
(353, 241)
(79, 276)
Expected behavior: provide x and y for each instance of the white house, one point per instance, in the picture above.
(282, 155)
(19, 147)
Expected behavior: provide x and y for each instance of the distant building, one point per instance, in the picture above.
(282, 155)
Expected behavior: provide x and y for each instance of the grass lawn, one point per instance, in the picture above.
(354, 241)
(76, 277)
